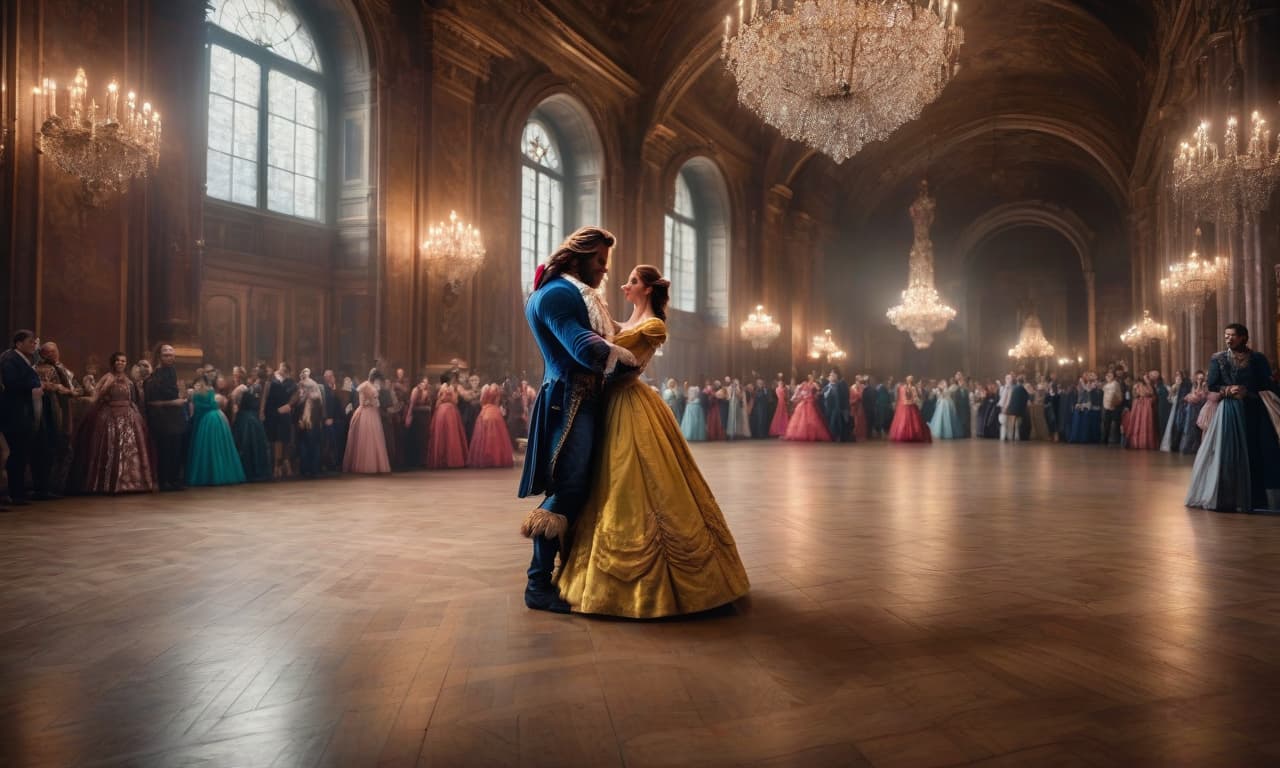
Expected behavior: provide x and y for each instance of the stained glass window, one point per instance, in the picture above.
(682, 249)
(266, 111)
(541, 199)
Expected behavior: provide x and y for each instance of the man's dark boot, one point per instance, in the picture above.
(542, 595)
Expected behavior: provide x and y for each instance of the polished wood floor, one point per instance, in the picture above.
(961, 603)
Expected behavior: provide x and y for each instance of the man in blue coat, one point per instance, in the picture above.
(570, 324)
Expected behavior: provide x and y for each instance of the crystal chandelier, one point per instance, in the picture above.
(101, 147)
(759, 329)
(1221, 182)
(1031, 341)
(454, 250)
(1190, 282)
(825, 347)
(837, 74)
(921, 313)
(1145, 332)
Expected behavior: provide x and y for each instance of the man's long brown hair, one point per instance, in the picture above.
(576, 249)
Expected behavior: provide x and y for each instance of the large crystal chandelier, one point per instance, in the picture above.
(825, 347)
(1031, 341)
(1145, 332)
(454, 250)
(837, 74)
(759, 328)
(101, 146)
(921, 313)
(1221, 182)
(1190, 282)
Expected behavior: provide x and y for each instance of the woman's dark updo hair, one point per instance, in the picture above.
(446, 378)
(111, 366)
(661, 293)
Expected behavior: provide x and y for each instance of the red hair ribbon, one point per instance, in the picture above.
(537, 275)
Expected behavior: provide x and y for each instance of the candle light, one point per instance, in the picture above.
(741, 11)
(53, 98)
(955, 9)
(93, 118)
(132, 103)
(113, 101)
(37, 110)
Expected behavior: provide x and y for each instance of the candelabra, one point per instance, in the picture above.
(760, 329)
(1143, 333)
(1031, 341)
(1221, 182)
(825, 347)
(101, 147)
(1190, 282)
(837, 74)
(454, 250)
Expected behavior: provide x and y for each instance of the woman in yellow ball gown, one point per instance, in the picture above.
(651, 541)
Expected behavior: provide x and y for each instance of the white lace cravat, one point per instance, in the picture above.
(597, 309)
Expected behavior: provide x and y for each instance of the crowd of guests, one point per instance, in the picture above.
(139, 427)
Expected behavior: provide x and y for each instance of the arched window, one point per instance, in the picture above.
(266, 109)
(542, 218)
(560, 166)
(682, 249)
(697, 242)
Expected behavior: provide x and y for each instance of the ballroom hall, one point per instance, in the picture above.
(765, 383)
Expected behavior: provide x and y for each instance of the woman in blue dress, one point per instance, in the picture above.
(212, 458)
(1237, 468)
(694, 423)
(945, 424)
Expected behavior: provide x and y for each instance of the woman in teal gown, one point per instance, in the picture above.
(212, 458)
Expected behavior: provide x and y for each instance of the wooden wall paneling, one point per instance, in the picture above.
(266, 325)
(354, 320)
(223, 310)
(307, 331)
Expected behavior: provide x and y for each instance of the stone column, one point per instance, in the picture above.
(1091, 297)
(774, 274)
(800, 245)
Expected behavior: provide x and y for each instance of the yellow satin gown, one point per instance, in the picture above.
(651, 541)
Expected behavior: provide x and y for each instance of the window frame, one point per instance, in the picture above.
(268, 61)
(692, 222)
(560, 177)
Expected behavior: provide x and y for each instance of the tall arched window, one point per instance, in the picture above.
(697, 242)
(682, 249)
(266, 109)
(542, 207)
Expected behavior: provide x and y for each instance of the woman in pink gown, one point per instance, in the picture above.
(778, 427)
(1140, 434)
(366, 439)
(807, 425)
(447, 448)
(855, 410)
(116, 454)
(908, 426)
(491, 440)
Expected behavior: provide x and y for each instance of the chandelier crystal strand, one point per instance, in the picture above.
(1190, 282)
(838, 74)
(1145, 332)
(97, 144)
(759, 328)
(1220, 182)
(455, 250)
(922, 312)
(1031, 341)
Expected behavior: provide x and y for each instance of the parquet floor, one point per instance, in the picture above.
(966, 602)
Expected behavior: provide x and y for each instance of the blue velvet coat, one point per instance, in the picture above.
(557, 315)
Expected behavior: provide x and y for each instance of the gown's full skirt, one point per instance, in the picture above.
(651, 541)
(1036, 414)
(1141, 420)
(117, 454)
(781, 419)
(447, 448)
(490, 442)
(251, 444)
(366, 443)
(807, 425)
(1220, 478)
(945, 425)
(694, 424)
(908, 426)
(212, 458)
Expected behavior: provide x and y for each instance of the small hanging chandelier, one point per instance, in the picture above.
(455, 250)
(1145, 332)
(1031, 341)
(760, 329)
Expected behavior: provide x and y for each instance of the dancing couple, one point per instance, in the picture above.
(637, 529)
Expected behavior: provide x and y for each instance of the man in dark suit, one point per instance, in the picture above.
(19, 411)
(835, 405)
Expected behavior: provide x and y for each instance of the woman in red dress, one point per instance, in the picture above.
(1140, 433)
(908, 426)
(715, 427)
(447, 447)
(855, 409)
(778, 427)
(807, 425)
(490, 441)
